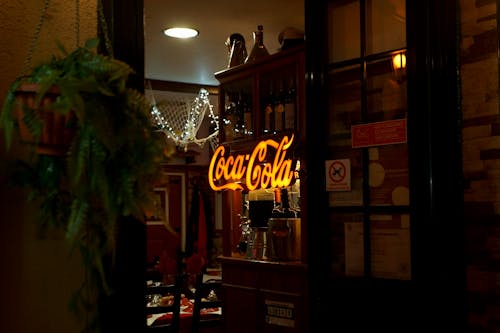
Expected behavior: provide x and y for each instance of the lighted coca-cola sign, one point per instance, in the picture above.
(269, 165)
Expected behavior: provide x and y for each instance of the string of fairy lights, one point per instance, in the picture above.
(181, 123)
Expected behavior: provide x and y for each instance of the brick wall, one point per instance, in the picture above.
(481, 161)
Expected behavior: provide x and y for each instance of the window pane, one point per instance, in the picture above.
(385, 25)
(390, 246)
(344, 93)
(344, 30)
(346, 239)
(388, 175)
(385, 91)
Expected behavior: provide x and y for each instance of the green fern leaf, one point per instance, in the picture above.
(77, 218)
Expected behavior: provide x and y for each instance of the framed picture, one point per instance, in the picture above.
(160, 212)
(170, 205)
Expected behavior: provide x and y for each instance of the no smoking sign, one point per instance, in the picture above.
(338, 175)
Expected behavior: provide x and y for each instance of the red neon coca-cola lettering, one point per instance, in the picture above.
(260, 169)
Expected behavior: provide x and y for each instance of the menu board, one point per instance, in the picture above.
(390, 247)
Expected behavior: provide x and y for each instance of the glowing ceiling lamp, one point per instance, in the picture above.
(181, 32)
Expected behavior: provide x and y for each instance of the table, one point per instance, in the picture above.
(186, 313)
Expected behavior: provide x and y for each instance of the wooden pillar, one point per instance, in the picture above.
(124, 310)
(125, 25)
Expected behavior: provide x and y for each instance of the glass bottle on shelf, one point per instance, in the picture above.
(290, 106)
(246, 230)
(279, 109)
(269, 100)
(259, 50)
(229, 117)
(239, 119)
(282, 208)
(247, 115)
(277, 209)
(286, 210)
(294, 192)
(284, 243)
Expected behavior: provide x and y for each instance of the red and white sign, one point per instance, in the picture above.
(338, 175)
(379, 133)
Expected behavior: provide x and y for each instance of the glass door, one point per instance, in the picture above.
(362, 240)
(367, 156)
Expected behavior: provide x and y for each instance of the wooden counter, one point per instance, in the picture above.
(264, 296)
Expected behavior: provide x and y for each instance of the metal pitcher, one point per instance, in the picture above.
(236, 49)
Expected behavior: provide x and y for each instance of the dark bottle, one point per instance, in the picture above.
(282, 207)
(229, 117)
(279, 109)
(286, 211)
(247, 115)
(239, 117)
(277, 209)
(258, 50)
(279, 228)
(232, 116)
(268, 111)
(290, 107)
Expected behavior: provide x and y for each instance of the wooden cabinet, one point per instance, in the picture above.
(262, 100)
(264, 296)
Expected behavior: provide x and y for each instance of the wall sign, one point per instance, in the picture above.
(280, 313)
(267, 166)
(159, 212)
(379, 133)
(338, 175)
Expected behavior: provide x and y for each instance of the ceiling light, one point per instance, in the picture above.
(181, 32)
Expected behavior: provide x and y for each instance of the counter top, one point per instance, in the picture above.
(271, 263)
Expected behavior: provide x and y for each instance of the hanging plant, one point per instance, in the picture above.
(104, 169)
(51, 132)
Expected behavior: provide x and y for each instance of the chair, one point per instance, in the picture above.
(173, 306)
(153, 277)
(208, 295)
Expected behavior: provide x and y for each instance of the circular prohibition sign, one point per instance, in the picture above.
(337, 171)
